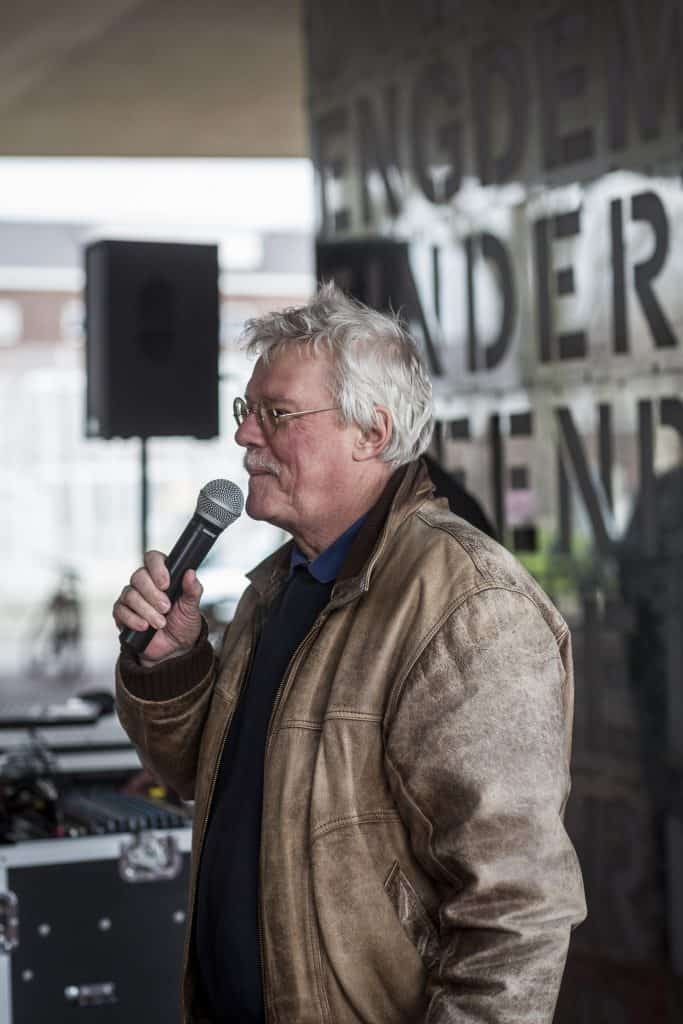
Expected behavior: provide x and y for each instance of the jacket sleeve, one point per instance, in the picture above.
(477, 744)
(164, 711)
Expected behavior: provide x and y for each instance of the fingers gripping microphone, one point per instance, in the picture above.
(219, 504)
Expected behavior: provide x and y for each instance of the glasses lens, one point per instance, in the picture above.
(268, 419)
(239, 409)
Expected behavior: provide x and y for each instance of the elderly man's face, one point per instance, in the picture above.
(302, 473)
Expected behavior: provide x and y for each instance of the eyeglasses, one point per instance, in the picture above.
(269, 419)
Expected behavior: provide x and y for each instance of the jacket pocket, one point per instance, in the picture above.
(411, 912)
(374, 972)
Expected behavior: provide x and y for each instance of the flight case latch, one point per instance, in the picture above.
(9, 922)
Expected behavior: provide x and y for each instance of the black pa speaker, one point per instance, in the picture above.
(151, 339)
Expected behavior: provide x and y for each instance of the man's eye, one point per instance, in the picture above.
(278, 412)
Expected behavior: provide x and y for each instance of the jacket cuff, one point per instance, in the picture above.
(168, 679)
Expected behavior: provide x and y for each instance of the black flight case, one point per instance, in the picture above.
(93, 880)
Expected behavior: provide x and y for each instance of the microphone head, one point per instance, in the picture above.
(220, 502)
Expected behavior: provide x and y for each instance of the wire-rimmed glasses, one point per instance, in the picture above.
(268, 417)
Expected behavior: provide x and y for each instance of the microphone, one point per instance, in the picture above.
(219, 504)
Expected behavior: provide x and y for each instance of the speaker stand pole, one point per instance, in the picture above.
(144, 494)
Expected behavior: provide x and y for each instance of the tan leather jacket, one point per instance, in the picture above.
(414, 865)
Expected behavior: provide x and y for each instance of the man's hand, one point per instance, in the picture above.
(143, 603)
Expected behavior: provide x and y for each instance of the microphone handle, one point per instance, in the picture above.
(189, 551)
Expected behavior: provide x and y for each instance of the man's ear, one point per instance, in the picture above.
(371, 443)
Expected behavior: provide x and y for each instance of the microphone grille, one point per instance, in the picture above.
(221, 502)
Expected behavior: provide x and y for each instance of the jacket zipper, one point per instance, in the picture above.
(285, 683)
(286, 680)
(288, 676)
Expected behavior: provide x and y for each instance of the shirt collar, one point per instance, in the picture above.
(326, 566)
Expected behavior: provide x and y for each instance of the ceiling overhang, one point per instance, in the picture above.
(153, 78)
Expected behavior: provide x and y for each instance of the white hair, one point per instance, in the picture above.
(374, 361)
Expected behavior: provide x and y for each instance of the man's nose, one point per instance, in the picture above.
(250, 432)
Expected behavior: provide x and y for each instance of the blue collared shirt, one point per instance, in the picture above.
(326, 566)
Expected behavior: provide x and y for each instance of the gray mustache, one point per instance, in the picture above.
(258, 460)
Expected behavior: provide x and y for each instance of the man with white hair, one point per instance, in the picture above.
(379, 758)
